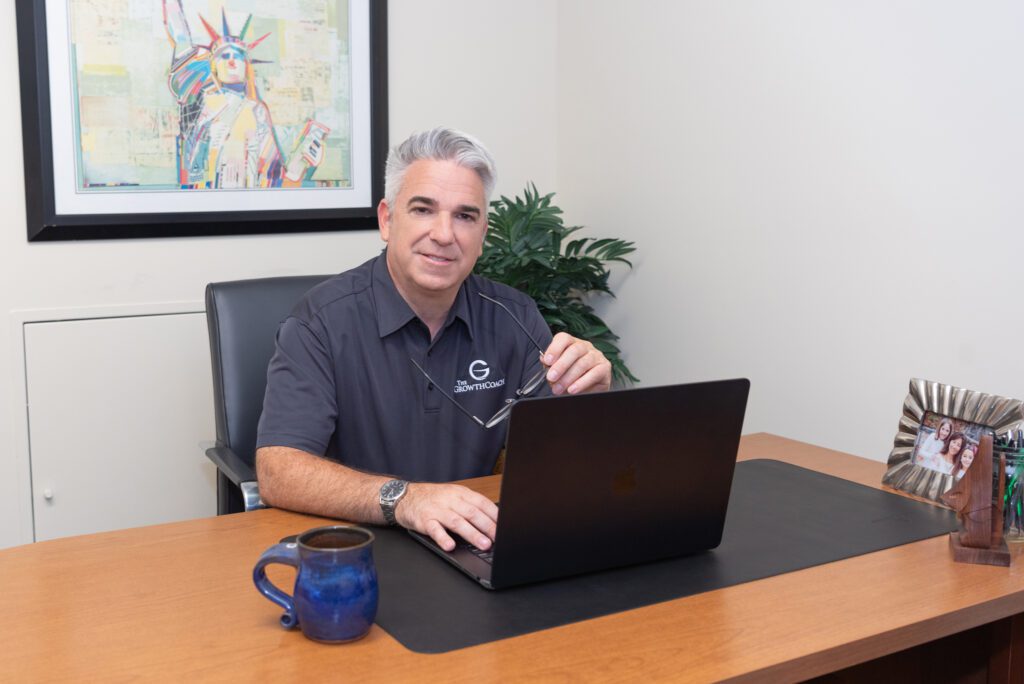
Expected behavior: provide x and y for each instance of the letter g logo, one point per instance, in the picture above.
(478, 370)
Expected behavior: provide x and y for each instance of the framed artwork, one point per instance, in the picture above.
(159, 118)
(939, 432)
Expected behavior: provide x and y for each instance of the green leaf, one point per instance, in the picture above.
(524, 248)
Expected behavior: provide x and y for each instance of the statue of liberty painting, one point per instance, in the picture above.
(226, 137)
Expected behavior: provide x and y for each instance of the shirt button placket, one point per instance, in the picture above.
(431, 398)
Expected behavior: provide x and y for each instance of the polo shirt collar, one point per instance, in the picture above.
(461, 309)
(393, 312)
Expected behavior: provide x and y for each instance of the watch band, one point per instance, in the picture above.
(391, 492)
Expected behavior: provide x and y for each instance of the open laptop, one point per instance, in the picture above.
(603, 480)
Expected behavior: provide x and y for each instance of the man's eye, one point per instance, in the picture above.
(465, 217)
(418, 210)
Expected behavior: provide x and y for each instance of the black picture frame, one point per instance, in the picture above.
(45, 224)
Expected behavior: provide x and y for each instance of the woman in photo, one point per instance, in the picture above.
(947, 457)
(964, 460)
(931, 446)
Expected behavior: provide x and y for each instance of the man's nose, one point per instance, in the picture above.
(443, 232)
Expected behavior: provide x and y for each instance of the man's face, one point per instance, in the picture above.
(435, 232)
(229, 63)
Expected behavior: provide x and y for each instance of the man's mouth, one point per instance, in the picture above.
(434, 258)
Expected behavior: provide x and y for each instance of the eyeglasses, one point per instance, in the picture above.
(527, 388)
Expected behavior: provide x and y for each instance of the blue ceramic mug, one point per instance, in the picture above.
(335, 596)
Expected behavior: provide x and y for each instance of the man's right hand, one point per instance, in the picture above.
(300, 481)
(434, 509)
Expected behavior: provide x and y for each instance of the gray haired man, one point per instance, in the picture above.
(390, 380)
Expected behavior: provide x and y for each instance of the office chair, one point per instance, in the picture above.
(242, 317)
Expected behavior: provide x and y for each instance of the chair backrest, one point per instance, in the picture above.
(243, 317)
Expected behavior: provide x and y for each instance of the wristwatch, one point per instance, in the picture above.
(391, 492)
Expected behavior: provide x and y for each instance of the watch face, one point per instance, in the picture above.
(392, 489)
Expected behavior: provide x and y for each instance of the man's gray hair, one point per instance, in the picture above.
(440, 144)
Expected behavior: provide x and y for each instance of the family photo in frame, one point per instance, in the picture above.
(939, 433)
(947, 445)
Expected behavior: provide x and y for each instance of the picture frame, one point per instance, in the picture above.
(949, 417)
(83, 136)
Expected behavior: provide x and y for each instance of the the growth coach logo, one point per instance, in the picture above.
(479, 371)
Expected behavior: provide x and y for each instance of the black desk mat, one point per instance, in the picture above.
(781, 518)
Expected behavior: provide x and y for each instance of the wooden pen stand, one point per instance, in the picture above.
(980, 537)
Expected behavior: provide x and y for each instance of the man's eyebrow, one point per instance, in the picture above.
(430, 202)
(421, 200)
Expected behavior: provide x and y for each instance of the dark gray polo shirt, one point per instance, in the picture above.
(341, 383)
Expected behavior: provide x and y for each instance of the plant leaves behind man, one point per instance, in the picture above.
(526, 248)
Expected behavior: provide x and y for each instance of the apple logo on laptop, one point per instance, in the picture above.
(624, 481)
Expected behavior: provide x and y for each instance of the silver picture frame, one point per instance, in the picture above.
(1003, 415)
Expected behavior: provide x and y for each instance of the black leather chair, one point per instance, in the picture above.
(242, 317)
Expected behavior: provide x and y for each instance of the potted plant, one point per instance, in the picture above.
(526, 248)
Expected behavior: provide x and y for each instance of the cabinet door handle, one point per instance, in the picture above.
(48, 494)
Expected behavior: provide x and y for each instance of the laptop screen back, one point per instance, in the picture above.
(615, 478)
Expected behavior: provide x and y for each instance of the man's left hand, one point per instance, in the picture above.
(576, 366)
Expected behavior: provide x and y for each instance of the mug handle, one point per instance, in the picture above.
(286, 554)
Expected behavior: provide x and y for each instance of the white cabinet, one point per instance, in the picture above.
(117, 408)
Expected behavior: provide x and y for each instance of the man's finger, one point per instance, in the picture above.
(440, 536)
(597, 376)
(583, 365)
(569, 356)
(480, 520)
(557, 346)
(467, 531)
(481, 502)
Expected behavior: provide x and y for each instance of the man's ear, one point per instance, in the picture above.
(384, 220)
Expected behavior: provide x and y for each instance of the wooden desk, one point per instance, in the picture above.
(176, 602)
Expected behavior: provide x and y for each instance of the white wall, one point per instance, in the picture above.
(451, 62)
(826, 197)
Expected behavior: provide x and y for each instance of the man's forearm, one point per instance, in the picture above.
(299, 481)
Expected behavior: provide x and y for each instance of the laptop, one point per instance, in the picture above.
(604, 480)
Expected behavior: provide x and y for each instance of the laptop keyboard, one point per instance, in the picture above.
(486, 556)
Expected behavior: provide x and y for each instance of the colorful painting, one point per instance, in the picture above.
(147, 115)
(211, 94)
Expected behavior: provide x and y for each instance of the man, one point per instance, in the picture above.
(396, 366)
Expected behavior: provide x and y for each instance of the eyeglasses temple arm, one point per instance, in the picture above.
(445, 394)
(514, 318)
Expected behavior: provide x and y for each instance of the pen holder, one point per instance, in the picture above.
(1013, 495)
(979, 537)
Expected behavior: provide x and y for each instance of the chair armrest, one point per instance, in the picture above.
(229, 463)
(240, 474)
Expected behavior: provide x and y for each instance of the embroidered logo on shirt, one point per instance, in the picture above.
(478, 371)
